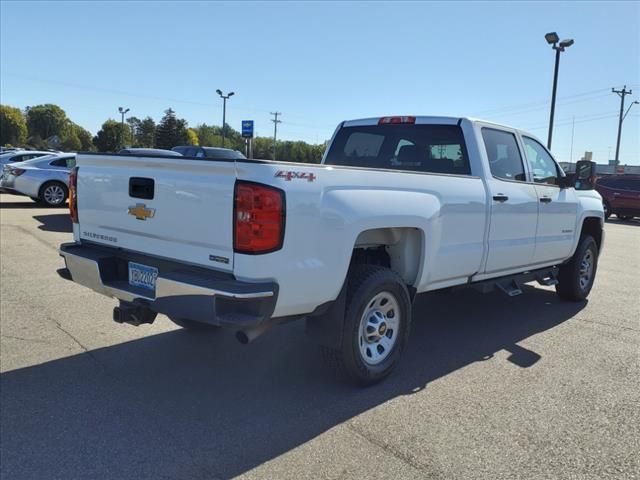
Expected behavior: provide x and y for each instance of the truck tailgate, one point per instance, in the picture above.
(164, 206)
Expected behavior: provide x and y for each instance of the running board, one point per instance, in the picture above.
(512, 284)
(510, 287)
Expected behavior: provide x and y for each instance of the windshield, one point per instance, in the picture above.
(420, 148)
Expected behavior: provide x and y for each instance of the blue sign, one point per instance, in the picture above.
(247, 128)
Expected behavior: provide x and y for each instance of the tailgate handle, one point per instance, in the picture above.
(140, 187)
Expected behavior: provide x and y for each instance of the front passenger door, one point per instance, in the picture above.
(558, 209)
(514, 204)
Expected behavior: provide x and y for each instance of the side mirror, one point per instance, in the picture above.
(585, 176)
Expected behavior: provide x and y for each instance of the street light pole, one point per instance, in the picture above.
(122, 112)
(553, 39)
(224, 111)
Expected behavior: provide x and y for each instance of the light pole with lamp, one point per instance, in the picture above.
(122, 112)
(224, 111)
(553, 39)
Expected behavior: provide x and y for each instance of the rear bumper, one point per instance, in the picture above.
(182, 291)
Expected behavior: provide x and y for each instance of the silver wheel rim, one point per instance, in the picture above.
(586, 269)
(379, 328)
(54, 194)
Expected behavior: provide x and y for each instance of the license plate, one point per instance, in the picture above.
(142, 276)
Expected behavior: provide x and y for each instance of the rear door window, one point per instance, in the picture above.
(411, 147)
(503, 153)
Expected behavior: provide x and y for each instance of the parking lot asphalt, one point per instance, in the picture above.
(490, 387)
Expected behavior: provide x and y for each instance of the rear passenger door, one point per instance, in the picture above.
(558, 209)
(514, 204)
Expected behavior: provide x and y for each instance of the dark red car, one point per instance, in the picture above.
(620, 195)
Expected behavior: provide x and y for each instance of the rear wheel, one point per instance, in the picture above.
(53, 194)
(575, 278)
(376, 324)
(194, 326)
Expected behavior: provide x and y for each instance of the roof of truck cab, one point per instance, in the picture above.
(438, 119)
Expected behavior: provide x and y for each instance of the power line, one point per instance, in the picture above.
(275, 130)
(542, 103)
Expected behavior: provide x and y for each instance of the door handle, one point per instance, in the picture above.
(545, 199)
(500, 198)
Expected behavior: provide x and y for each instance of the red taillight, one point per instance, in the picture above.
(259, 214)
(73, 194)
(396, 120)
(16, 172)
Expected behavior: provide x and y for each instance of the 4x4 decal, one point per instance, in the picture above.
(289, 175)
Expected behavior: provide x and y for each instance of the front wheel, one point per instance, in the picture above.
(575, 278)
(376, 324)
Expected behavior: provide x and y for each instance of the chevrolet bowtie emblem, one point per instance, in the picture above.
(141, 212)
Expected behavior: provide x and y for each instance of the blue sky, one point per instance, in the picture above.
(320, 63)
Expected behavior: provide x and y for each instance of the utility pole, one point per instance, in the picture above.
(275, 130)
(621, 93)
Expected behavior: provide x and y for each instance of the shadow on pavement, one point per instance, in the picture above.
(634, 221)
(182, 405)
(25, 204)
(56, 222)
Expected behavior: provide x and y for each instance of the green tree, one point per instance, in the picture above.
(146, 133)
(109, 138)
(208, 135)
(46, 120)
(171, 131)
(134, 127)
(13, 127)
(71, 141)
(86, 141)
(192, 137)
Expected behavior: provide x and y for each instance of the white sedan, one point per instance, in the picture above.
(44, 179)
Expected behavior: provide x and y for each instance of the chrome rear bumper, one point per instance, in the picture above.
(182, 291)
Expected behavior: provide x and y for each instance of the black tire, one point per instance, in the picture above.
(607, 209)
(53, 194)
(369, 284)
(572, 282)
(624, 218)
(194, 326)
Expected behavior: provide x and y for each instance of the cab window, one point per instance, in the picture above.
(543, 167)
(503, 153)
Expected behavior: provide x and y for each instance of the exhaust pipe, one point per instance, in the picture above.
(248, 335)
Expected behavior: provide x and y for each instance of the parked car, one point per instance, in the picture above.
(211, 153)
(399, 206)
(44, 179)
(620, 195)
(21, 156)
(149, 151)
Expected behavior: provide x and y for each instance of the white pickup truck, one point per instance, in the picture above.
(399, 206)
